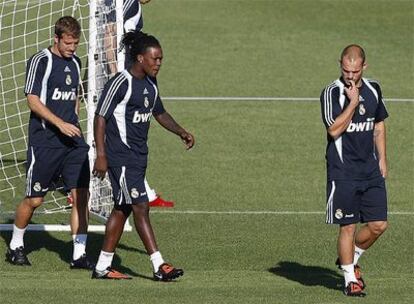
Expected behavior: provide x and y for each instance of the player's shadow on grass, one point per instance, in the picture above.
(35, 241)
(308, 275)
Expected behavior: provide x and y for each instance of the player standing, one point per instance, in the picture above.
(133, 21)
(56, 145)
(353, 112)
(129, 101)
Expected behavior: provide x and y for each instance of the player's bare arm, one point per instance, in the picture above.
(380, 145)
(101, 164)
(344, 119)
(43, 112)
(171, 125)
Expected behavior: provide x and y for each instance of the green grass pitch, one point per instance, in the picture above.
(248, 226)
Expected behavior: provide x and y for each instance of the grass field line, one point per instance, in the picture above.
(265, 212)
(246, 98)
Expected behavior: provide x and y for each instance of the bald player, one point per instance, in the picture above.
(353, 112)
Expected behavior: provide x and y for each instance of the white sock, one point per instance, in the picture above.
(349, 274)
(104, 261)
(156, 260)
(79, 245)
(150, 192)
(357, 254)
(17, 238)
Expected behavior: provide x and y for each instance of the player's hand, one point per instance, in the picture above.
(144, 1)
(383, 168)
(69, 129)
(100, 167)
(352, 93)
(188, 140)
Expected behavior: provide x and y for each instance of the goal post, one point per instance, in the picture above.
(27, 26)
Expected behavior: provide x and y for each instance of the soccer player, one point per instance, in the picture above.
(133, 21)
(56, 145)
(128, 102)
(353, 112)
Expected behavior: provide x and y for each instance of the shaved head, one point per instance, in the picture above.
(353, 53)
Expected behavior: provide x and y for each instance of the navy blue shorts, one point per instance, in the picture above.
(350, 202)
(46, 165)
(128, 186)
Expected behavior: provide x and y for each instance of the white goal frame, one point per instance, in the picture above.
(100, 203)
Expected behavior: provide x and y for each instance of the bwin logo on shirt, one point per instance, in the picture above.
(59, 95)
(361, 126)
(141, 117)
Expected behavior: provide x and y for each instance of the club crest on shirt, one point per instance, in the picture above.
(339, 214)
(361, 109)
(37, 187)
(146, 102)
(134, 193)
(68, 80)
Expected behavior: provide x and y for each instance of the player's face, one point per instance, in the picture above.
(352, 70)
(66, 45)
(151, 61)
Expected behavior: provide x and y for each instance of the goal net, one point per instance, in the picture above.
(27, 26)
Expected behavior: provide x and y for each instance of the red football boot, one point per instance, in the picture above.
(159, 202)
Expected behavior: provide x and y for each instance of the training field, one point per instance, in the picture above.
(248, 225)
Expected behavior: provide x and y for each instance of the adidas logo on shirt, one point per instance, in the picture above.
(67, 69)
(145, 91)
(361, 98)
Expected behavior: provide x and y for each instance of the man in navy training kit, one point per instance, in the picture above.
(56, 145)
(353, 112)
(128, 102)
(133, 21)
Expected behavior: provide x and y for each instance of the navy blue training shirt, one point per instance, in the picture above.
(132, 14)
(127, 104)
(55, 80)
(352, 155)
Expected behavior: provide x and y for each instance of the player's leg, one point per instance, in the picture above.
(143, 227)
(80, 214)
(113, 233)
(110, 38)
(369, 234)
(41, 168)
(135, 193)
(156, 200)
(162, 271)
(15, 253)
(343, 209)
(346, 243)
(114, 226)
(76, 176)
(373, 212)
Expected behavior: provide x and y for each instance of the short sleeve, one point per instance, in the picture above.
(35, 71)
(330, 107)
(381, 113)
(113, 93)
(158, 107)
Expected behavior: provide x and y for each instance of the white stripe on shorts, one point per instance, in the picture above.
(329, 205)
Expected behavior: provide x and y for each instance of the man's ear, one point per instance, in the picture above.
(140, 58)
(364, 66)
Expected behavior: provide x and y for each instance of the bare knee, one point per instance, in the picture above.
(348, 230)
(378, 228)
(33, 202)
(140, 210)
(80, 197)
